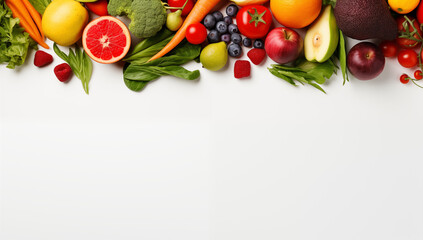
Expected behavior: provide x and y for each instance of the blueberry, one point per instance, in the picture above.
(236, 38)
(209, 21)
(232, 10)
(232, 28)
(226, 38)
(218, 16)
(234, 50)
(247, 42)
(213, 36)
(258, 43)
(228, 20)
(221, 27)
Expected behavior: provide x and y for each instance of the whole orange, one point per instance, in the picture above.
(295, 13)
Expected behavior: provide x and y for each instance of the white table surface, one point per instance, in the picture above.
(218, 158)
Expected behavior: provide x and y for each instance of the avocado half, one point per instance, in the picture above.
(365, 19)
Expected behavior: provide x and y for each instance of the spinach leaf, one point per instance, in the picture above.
(149, 47)
(80, 63)
(135, 86)
(139, 72)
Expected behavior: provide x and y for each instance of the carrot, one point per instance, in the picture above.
(25, 20)
(35, 15)
(19, 11)
(198, 12)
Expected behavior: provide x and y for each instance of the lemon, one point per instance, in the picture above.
(64, 21)
(214, 56)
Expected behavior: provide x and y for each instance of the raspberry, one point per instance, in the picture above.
(242, 69)
(256, 55)
(63, 72)
(42, 59)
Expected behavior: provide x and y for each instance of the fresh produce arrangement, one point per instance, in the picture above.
(306, 39)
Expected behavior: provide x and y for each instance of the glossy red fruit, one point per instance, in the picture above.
(407, 58)
(180, 3)
(389, 48)
(404, 79)
(402, 25)
(98, 8)
(365, 61)
(418, 75)
(196, 33)
(254, 21)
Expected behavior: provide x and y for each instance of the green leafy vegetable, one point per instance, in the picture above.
(147, 16)
(80, 63)
(140, 72)
(40, 5)
(305, 72)
(14, 42)
(343, 57)
(161, 38)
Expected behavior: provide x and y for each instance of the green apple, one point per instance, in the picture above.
(321, 39)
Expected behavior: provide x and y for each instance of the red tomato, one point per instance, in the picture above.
(404, 78)
(420, 13)
(254, 21)
(99, 7)
(180, 3)
(404, 42)
(407, 58)
(196, 33)
(389, 48)
(418, 75)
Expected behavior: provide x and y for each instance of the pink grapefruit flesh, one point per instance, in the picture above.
(106, 39)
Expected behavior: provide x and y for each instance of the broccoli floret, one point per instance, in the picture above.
(147, 16)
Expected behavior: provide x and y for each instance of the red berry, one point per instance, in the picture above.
(63, 72)
(256, 55)
(42, 59)
(418, 75)
(404, 78)
(242, 69)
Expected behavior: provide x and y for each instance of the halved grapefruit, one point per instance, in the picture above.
(106, 39)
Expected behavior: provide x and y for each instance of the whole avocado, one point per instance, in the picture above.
(365, 19)
(147, 16)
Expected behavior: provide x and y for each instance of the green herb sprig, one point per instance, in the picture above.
(305, 72)
(80, 63)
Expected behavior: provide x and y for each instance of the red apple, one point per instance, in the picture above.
(283, 45)
(365, 61)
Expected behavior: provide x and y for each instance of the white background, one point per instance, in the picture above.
(218, 158)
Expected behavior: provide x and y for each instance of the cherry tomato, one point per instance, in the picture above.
(180, 3)
(418, 75)
(196, 33)
(254, 21)
(389, 48)
(99, 7)
(420, 13)
(407, 58)
(404, 78)
(404, 42)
